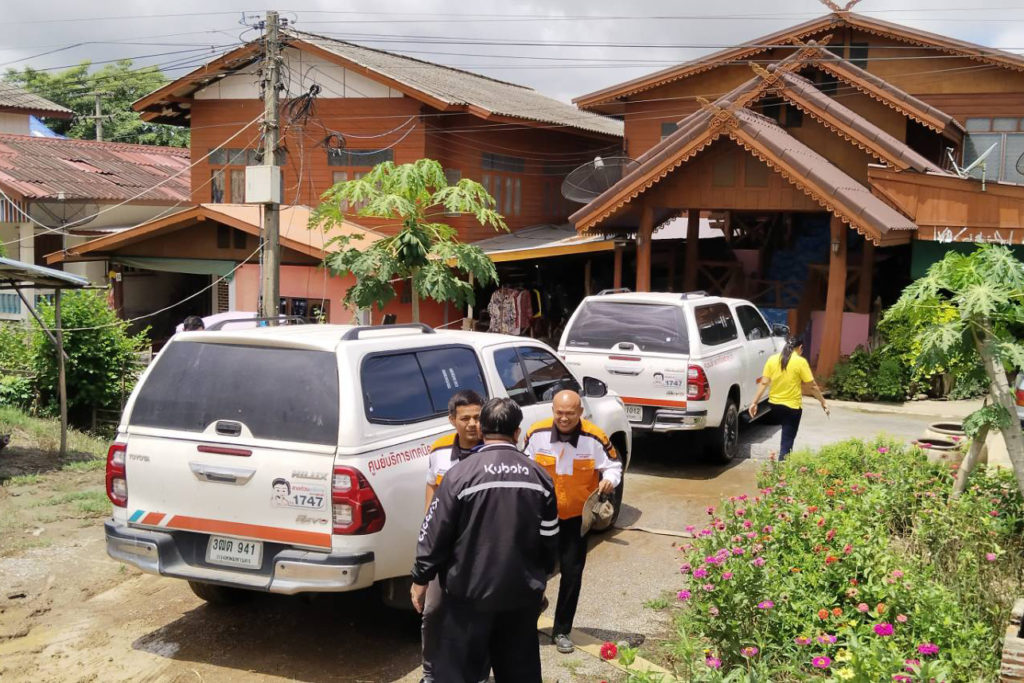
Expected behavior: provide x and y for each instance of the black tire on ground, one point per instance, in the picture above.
(724, 441)
(219, 595)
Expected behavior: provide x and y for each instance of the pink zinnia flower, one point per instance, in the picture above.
(759, 562)
(700, 573)
(747, 524)
(883, 450)
(991, 557)
(883, 629)
(765, 604)
(738, 551)
(710, 510)
(862, 607)
(726, 576)
(909, 664)
(708, 587)
(994, 513)
(897, 574)
(740, 512)
(690, 528)
(826, 639)
(821, 662)
(683, 595)
(928, 649)
(684, 568)
(901, 618)
(749, 651)
(901, 678)
(802, 640)
(713, 611)
(713, 662)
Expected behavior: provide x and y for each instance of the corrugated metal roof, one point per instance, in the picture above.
(15, 97)
(38, 168)
(18, 272)
(457, 87)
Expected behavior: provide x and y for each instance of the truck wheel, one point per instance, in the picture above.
(724, 442)
(219, 595)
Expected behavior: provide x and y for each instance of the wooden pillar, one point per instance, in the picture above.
(832, 335)
(867, 271)
(62, 385)
(672, 268)
(643, 250)
(692, 248)
(617, 270)
(117, 287)
(588, 269)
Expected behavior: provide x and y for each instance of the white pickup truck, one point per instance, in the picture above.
(293, 459)
(680, 362)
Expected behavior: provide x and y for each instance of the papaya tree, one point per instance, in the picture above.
(425, 251)
(986, 289)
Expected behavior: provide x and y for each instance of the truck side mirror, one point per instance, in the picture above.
(780, 330)
(594, 388)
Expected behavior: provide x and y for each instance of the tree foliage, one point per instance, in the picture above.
(120, 83)
(101, 360)
(424, 250)
(986, 290)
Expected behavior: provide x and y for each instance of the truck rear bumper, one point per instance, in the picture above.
(669, 420)
(286, 570)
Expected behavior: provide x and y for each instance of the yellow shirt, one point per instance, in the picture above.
(786, 387)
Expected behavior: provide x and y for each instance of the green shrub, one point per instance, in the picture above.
(869, 376)
(15, 347)
(853, 563)
(101, 359)
(16, 392)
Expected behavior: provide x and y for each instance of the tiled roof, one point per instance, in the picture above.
(457, 87)
(85, 169)
(14, 97)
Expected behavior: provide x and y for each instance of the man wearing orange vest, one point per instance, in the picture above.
(580, 460)
(464, 414)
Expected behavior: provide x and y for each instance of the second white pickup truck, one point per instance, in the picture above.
(680, 362)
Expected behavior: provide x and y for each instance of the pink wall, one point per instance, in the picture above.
(315, 283)
(855, 333)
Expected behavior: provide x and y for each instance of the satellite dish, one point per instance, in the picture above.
(980, 161)
(587, 182)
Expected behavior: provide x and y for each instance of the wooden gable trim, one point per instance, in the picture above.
(795, 34)
(220, 66)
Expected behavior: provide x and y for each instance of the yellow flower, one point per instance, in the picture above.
(843, 655)
(844, 674)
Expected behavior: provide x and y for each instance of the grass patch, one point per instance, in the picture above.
(29, 432)
(657, 603)
(95, 504)
(23, 480)
(73, 497)
(85, 465)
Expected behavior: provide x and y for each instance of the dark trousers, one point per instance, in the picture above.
(431, 628)
(472, 641)
(789, 418)
(572, 556)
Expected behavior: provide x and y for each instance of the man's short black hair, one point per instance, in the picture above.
(193, 322)
(464, 397)
(500, 417)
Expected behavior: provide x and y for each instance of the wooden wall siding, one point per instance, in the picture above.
(851, 159)
(214, 121)
(459, 142)
(690, 186)
(952, 210)
(964, 106)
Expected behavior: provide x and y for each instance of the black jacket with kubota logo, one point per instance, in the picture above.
(491, 532)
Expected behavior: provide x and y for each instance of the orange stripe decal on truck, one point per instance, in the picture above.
(268, 533)
(152, 518)
(657, 402)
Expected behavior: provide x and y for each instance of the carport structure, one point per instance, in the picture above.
(18, 275)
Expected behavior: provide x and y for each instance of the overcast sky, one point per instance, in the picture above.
(563, 48)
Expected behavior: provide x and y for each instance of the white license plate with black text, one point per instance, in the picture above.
(234, 552)
(635, 413)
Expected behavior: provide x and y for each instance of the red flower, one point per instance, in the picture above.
(823, 614)
(831, 559)
(609, 651)
(812, 509)
(837, 611)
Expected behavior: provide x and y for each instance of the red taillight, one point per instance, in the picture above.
(1020, 397)
(355, 508)
(117, 481)
(697, 388)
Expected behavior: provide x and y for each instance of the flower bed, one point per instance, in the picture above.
(852, 563)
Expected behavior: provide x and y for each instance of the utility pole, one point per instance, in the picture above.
(98, 117)
(271, 285)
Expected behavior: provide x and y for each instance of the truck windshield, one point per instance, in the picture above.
(652, 327)
(281, 394)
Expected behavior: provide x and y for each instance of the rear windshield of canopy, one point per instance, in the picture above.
(652, 327)
(281, 394)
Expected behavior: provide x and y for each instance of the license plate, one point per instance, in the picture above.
(234, 552)
(635, 413)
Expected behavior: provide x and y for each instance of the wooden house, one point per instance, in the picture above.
(344, 109)
(827, 152)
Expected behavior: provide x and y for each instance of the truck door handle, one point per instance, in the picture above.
(623, 371)
(221, 475)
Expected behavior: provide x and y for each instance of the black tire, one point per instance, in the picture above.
(724, 441)
(219, 595)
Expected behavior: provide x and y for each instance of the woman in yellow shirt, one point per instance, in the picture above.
(787, 373)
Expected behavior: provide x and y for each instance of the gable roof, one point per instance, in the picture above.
(800, 32)
(13, 98)
(442, 87)
(37, 168)
(800, 165)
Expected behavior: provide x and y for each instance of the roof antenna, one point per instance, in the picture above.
(966, 170)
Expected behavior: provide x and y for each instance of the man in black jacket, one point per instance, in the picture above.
(491, 534)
